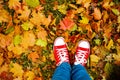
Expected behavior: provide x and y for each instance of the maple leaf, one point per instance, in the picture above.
(14, 4)
(4, 67)
(37, 18)
(29, 75)
(41, 43)
(27, 25)
(23, 13)
(62, 8)
(97, 14)
(17, 40)
(4, 16)
(33, 56)
(17, 50)
(84, 20)
(28, 39)
(66, 24)
(94, 58)
(16, 69)
(5, 40)
(116, 11)
(32, 3)
(41, 33)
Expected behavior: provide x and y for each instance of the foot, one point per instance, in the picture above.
(82, 53)
(60, 51)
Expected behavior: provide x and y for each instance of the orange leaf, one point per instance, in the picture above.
(66, 24)
(97, 14)
(33, 56)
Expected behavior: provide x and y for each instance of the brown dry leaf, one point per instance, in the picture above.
(14, 4)
(28, 39)
(97, 14)
(33, 56)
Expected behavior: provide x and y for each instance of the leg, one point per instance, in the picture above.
(62, 72)
(82, 53)
(79, 73)
(62, 60)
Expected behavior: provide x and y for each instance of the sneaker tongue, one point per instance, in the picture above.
(61, 46)
(83, 49)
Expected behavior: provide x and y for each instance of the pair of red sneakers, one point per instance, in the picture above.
(61, 52)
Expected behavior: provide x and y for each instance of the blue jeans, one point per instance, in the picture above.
(65, 72)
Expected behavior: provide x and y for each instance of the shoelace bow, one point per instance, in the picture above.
(81, 56)
(62, 54)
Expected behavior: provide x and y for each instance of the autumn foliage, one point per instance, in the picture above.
(28, 29)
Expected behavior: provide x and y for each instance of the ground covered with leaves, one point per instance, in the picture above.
(28, 29)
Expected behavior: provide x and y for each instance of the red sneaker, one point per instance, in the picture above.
(60, 51)
(82, 53)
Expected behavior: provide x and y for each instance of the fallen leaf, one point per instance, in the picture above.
(17, 40)
(29, 75)
(94, 58)
(14, 4)
(16, 69)
(41, 43)
(66, 24)
(97, 14)
(110, 44)
(27, 25)
(32, 3)
(84, 20)
(33, 56)
(28, 39)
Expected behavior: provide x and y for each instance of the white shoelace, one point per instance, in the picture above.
(80, 57)
(62, 54)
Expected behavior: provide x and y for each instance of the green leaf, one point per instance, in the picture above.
(32, 3)
(27, 25)
(108, 68)
(10, 29)
(74, 28)
(17, 40)
(116, 11)
(97, 41)
(41, 42)
(62, 8)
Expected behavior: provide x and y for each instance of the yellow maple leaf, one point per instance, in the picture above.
(39, 18)
(17, 50)
(28, 39)
(94, 58)
(14, 4)
(4, 67)
(25, 12)
(41, 33)
(29, 75)
(4, 16)
(16, 69)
